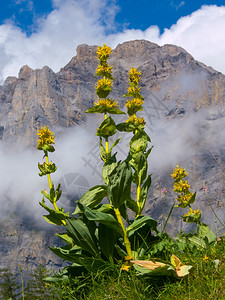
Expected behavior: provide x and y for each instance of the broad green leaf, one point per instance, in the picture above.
(132, 204)
(183, 270)
(102, 109)
(139, 142)
(141, 221)
(144, 192)
(126, 127)
(107, 128)
(54, 217)
(199, 242)
(164, 270)
(81, 235)
(119, 186)
(204, 232)
(108, 167)
(65, 238)
(101, 217)
(67, 254)
(92, 197)
(140, 166)
(107, 239)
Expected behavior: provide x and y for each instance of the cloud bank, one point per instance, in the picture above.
(74, 22)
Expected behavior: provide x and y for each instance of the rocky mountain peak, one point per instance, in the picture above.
(25, 72)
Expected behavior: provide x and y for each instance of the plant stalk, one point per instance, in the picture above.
(106, 140)
(125, 237)
(50, 186)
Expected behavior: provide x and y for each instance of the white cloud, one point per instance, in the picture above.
(54, 43)
(201, 34)
(76, 22)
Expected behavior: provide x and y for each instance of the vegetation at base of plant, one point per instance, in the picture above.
(101, 238)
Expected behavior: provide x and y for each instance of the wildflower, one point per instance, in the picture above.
(45, 139)
(181, 186)
(107, 103)
(136, 121)
(103, 52)
(193, 216)
(134, 76)
(186, 199)
(179, 173)
(104, 70)
(103, 87)
(134, 105)
(205, 258)
(164, 190)
(204, 188)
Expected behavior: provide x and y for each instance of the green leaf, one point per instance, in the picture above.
(82, 235)
(54, 195)
(140, 166)
(132, 204)
(127, 127)
(139, 142)
(164, 270)
(144, 192)
(114, 144)
(204, 232)
(101, 217)
(65, 238)
(46, 168)
(119, 186)
(94, 264)
(92, 197)
(141, 221)
(108, 167)
(107, 128)
(54, 217)
(66, 253)
(103, 109)
(107, 239)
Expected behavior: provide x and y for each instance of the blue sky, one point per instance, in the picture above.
(163, 13)
(47, 32)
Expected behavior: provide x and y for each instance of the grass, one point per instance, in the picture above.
(205, 281)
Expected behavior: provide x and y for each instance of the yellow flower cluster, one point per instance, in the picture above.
(136, 121)
(103, 83)
(193, 216)
(103, 52)
(179, 173)
(134, 102)
(133, 90)
(134, 76)
(45, 137)
(107, 103)
(196, 212)
(182, 187)
(103, 69)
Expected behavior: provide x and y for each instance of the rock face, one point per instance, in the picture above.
(175, 87)
(42, 97)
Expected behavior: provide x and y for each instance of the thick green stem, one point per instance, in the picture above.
(106, 140)
(125, 237)
(138, 198)
(48, 175)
